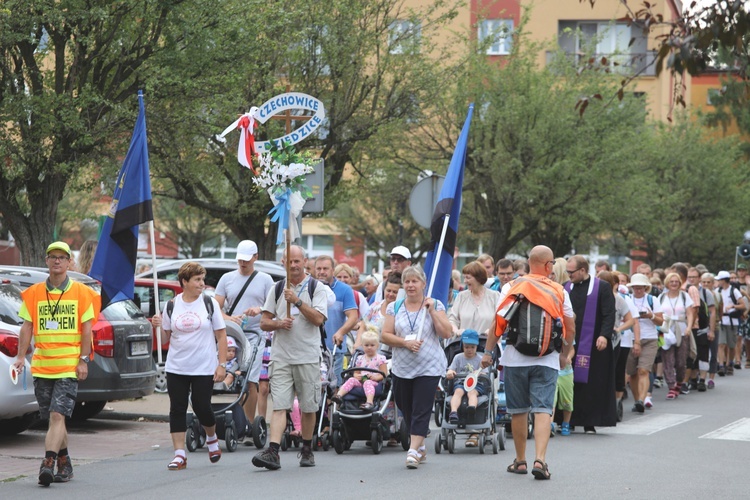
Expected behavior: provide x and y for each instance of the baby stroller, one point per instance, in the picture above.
(483, 420)
(321, 436)
(351, 423)
(231, 423)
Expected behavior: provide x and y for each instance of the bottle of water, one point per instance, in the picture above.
(245, 321)
(323, 372)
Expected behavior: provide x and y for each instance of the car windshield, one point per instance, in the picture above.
(122, 310)
(10, 304)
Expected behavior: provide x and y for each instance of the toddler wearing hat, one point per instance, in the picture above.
(463, 365)
(233, 366)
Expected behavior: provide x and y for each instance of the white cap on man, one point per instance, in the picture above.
(723, 275)
(402, 251)
(246, 250)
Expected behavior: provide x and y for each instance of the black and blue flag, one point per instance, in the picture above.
(449, 204)
(114, 261)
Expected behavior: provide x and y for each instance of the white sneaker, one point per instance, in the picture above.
(412, 459)
(648, 403)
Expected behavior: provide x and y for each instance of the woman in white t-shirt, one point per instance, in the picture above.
(679, 317)
(197, 360)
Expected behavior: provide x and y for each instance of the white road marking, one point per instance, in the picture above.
(736, 431)
(650, 424)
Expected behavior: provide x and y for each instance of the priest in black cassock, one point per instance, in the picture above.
(594, 401)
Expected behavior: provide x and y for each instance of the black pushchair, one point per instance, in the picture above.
(231, 423)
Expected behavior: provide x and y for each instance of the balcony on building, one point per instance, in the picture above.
(623, 47)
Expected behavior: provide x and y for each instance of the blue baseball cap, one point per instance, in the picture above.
(470, 337)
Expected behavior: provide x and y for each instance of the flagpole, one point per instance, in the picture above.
(157, 306)
(435, 266)
(288, 238)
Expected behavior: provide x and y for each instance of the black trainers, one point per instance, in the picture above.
(701, 386)
(64, 470)
(453, 418)
(639, 407)
(684, 389)
(268, 458)
(47, 472)
(307, 459)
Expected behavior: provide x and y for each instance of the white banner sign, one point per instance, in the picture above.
(285, 102)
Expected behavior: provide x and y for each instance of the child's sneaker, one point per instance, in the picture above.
(453, 418)
(565, 429)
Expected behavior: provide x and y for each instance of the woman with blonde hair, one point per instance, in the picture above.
(561, 274)
(679, 318)
(86, 256)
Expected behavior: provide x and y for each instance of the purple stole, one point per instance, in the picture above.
(582, 362)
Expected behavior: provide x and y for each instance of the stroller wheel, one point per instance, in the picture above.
(260, 432)
(325, 439)
(315, 442)
(404, 436)
(451, 440)
(338, 441)
(191, 443)
(201, 436)
(438, 443)
(376, 441)
(230, 439)
(286, 441)
(438, 412)
(481, 443)
(501, 439)
(619, 410)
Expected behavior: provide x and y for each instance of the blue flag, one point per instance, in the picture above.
(114, 261)
(449, 204)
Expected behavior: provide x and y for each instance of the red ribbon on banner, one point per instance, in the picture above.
(249, 138)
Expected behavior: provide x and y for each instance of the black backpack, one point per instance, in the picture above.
(206, 301)
(704, 315)
(311, 286)
(532, 330)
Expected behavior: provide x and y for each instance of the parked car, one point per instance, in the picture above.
(144, 293)
(122, 366)
(215, 269)
(18, 406)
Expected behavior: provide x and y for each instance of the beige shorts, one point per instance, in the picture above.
(728, 335)
(649, 349)
(287, 380)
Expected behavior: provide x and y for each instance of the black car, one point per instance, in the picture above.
(122, 367)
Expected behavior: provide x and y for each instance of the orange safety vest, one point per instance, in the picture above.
(57, 350)
(539, 290)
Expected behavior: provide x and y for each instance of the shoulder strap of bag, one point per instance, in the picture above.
(242, 292)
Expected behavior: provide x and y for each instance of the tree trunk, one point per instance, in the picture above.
(33, 232)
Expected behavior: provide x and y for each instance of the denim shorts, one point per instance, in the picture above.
(481, 388)
(530, 389)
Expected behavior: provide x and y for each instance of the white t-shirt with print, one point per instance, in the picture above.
(192, 345)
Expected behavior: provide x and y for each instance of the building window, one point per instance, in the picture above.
(712, 96)
(496, 35)
(404, 37)
(323, 244)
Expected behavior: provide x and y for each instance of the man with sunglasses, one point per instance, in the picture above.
(59, 313)
(594, 364)
(400, 259)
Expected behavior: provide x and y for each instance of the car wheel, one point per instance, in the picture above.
(17, 425)
(161, 378)
(87, 409)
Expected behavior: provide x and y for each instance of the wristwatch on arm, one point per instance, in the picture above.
(298, 304)
(85, 359)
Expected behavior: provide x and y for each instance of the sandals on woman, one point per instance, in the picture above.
(472, 441)
(178, 463)
(214, 456)
(540, 472)
(514, 467)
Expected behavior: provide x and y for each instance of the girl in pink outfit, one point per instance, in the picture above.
(366, 379)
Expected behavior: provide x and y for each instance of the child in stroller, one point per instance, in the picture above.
(367, 380)
(233, 367)
(463, 365)
(353, 420)
(467, 411)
